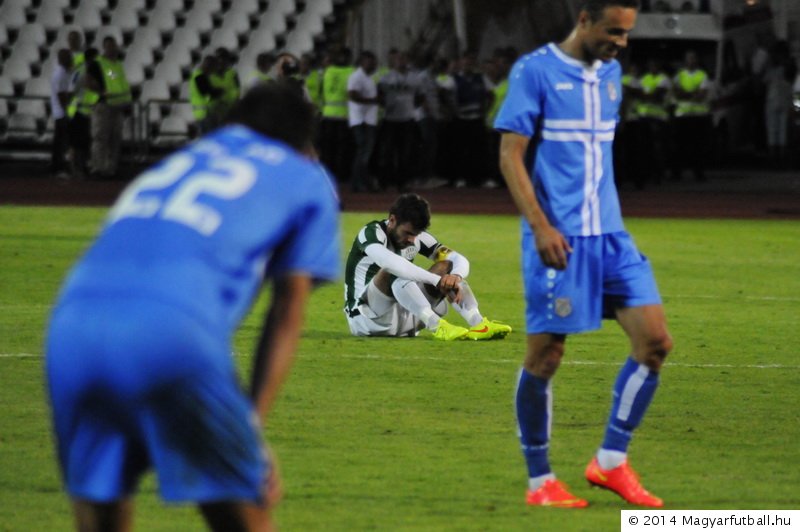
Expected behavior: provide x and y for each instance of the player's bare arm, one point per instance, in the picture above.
(281, 332)
(550, 243)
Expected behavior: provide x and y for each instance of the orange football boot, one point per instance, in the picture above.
(623, 481)
(554, 493)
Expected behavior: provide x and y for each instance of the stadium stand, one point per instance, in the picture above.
(162, 41)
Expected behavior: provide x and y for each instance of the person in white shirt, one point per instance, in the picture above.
(399, 92)
(60, 96)
(362, 112)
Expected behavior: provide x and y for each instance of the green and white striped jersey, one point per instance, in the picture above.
(361, 268)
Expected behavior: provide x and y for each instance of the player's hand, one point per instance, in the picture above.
(456, 295)
(552, 247)
(448, 282)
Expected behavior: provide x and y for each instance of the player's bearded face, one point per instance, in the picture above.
(402, 235)
(604, 38)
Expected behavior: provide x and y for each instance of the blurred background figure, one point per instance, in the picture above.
(778, 77)
(205, 97)
(363, 119)
(261, 74)
(60, 96)
(692, 118)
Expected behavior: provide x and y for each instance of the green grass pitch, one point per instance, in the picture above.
(412, 434)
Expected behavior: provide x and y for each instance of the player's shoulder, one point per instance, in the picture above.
(535, 61)
(612, 68)
(373, 232)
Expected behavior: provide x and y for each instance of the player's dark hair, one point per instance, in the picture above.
(277, 110)
(595, 8)
(412, 208)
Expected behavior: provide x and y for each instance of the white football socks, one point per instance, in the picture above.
(609, 459)
(410, 296)
(468, 308)
(534, 483)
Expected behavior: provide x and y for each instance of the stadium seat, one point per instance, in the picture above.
(22, 127)
(199, 20)
(248, 7)
(164, 21)
(262, 39)
(6, 87)
(3, 35)
(134, 71)
(299, 43)
(178, 55)
(154, 89)
(273, 21)
(173, 131)
(165, 6)
(13, 14)
(139, 53)
(32, 32)
(237, 21)
(125, 17)
(25, 52)
(39, 86)
(183, 110)
(35, 107)
(170, 73)
(87, 15)
(17, 70)
(46, 68)
(310, 24)
(147, 37)
(50, 15)
(187, 38)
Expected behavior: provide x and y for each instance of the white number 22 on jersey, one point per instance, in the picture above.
(226, 178)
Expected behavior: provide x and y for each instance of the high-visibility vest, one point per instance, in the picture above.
(313, 83)
(631, 106)
(500, 92)
(650, 83)
(200, 102)
(84, 99)
(78, 59)
(226, 82)
(117, 89)
(256, 76)
(691, 81)
(334, 91)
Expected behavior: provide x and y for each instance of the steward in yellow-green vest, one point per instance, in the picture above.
(691, 82)
(228, 81)
(313, 84)
(652, 106)
(84, 98)
(200, 102)
(499, 93)
(334, 91)
(117, 91)
(631, 89)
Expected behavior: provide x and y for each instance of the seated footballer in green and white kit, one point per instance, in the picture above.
(386, 294)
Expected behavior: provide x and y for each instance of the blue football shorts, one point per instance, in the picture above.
(603, 273)
(136, 384)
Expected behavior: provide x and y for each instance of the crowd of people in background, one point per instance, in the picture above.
(666, 123)
(415, 120)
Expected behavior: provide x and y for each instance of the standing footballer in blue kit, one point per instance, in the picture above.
(139, 363)
(579, 263)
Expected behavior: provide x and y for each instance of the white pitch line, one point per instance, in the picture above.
(749, 298)
(495, 361)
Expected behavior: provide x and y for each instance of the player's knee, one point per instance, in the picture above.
(658, 347)
(545, 362)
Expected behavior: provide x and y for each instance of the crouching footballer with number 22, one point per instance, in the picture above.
(139, 362)
(579, 263)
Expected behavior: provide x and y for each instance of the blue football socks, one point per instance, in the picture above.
(534, 411)
(633, 391)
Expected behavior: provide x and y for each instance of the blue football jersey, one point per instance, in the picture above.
(202, 229)
(574, 108)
